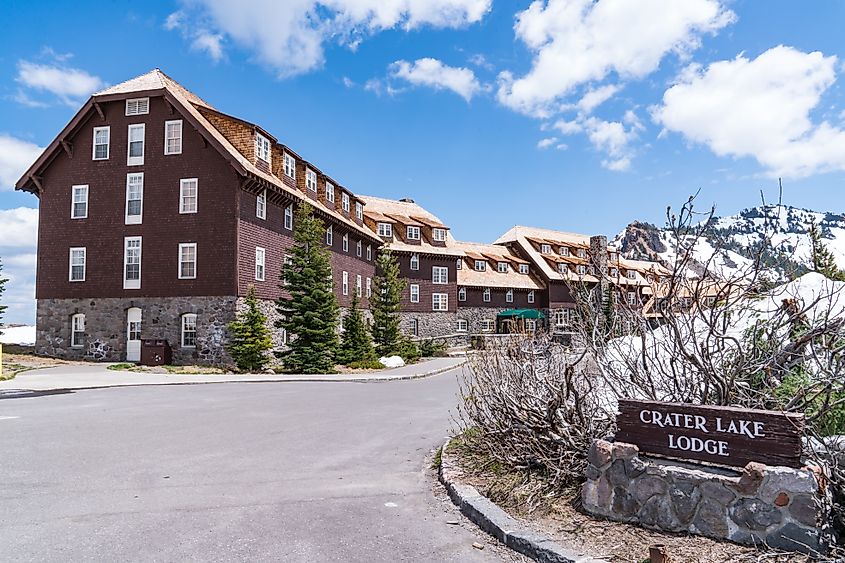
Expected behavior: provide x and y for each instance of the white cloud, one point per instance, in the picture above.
(16, 155)
(609, 137)
(481, 61)
(546, 143)
(759, 108)
(17, 251)
(433, 73)
(289, 36)
(210, 43)
(70, 85)
(577, 42)
(596, 97)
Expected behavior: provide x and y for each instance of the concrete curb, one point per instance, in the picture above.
(258, 379)
(498, 523)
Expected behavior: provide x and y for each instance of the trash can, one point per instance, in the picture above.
(155, 352)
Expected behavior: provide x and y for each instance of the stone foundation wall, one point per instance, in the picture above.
(474, 316)
(778, 506)
(429, 324)
(105, 327)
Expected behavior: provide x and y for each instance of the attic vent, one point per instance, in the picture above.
(138, 106)
(407, 200)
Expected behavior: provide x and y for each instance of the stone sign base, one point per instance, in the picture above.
(776, 506)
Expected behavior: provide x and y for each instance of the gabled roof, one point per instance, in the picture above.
(407, 212)
(491, 277)
(153, 80)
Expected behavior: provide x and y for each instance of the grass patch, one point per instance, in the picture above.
(122, 367)
(194, 370)
(438, 459)
(11, 370)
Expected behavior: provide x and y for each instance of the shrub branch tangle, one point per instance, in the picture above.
(384, 303)
(310, 315)
(250, 339)
(2, 289)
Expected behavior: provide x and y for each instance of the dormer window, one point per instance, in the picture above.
(413, 233)
(262, 147)
(359, 210)
(480, 265)
(561, 268)
(563, 251)
(582, 253)
(581, 269)
(385, 230)
(614, 272)
(290, 166)
(523, 268)
(310, 179)
(329, 192)
(632, 274)
(138, 106)
(439, 235)
(503, 267)
(613, 257)
(344, 199)
(545, 248)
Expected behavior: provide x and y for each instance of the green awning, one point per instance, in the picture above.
(521, 314)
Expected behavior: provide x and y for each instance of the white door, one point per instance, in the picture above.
(133, 335)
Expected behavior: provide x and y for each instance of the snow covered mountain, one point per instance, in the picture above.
(739, 236)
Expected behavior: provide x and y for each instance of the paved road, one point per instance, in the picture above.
(231, 471)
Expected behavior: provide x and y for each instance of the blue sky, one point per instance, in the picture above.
(566, 114)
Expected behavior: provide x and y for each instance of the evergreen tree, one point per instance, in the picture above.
(2, 289)
(310, 315)
(384, 303)
(822, 260)
(356, 344)
(250, 336)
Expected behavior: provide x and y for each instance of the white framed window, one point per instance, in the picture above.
(102, 138)
(260, 257)
(563, 251)
(288, 262)
(582, 253)
(369, 287)
(76, 268)
(531, 296)
(290, 166)
(488, 325)
(486, 295)
(77, 330)
(289, 217)
(132, 263)
(79, 202)
(173, 137)
(261, 204)
(329, 192)
(545, 249)
(459, 264)
(262, 147)
(135, 146)
(415, 262)
(415, 327)
(359, 210)
(612, 257)
(462, 325)
(462, 294)
(562, 267)
(344, 201)
(358, 248)
(369, 252)
(358, 285)
(614, 272)
(561, 317)
(439, 275)
(137, 106)
(329, 235)
(632, 274)
(134, 198)
(310, 179)
(188, 194)
(189, 330)
(439, 235)
(345, 283)
(412, 232)
(187, 260)
(581, 269)
(385, 230)
(632, 298)
(509, 296)
(523, 268)
(415, 293)
(502, 267)
(531, 325)
(480, 265)
(439, 302)
(346, 242)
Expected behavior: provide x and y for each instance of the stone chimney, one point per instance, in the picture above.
(598, 259)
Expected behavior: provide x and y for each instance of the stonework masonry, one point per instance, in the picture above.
(778, 506)
(429, 325)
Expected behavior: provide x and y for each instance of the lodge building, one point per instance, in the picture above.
(158, 212)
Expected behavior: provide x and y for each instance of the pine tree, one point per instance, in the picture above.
(822, 259)
(250, 337)
(310, 315)
(384, 303)
(2, 289)
(356, 344)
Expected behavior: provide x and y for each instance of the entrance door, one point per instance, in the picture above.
(133, 335)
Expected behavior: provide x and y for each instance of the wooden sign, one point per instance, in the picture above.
(722, 435)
